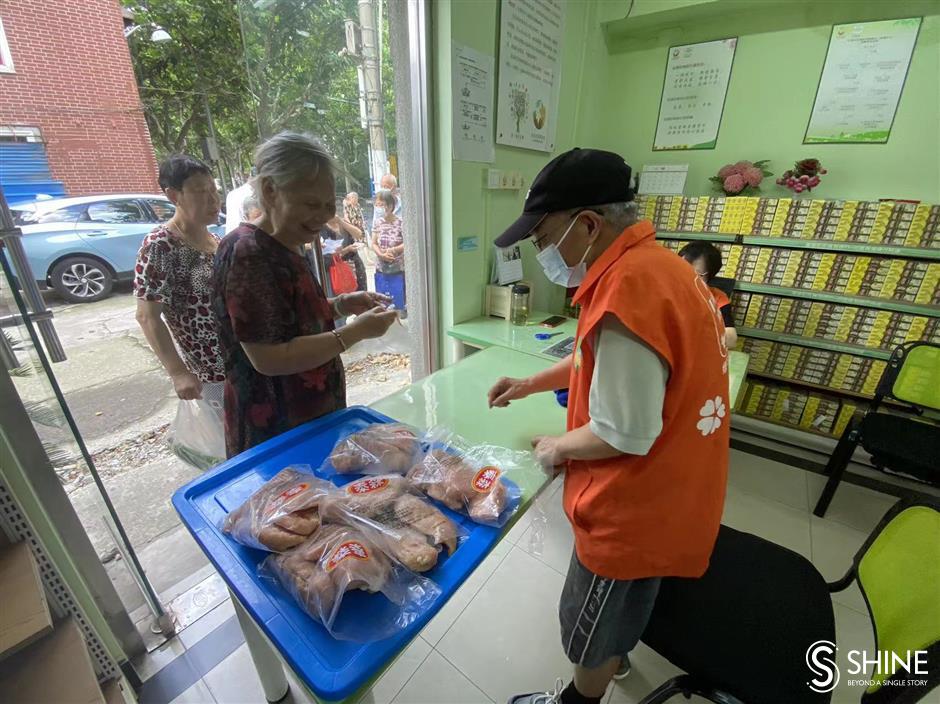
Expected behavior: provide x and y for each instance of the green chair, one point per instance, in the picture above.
(741, 632)
(900, 443)
(898, 572)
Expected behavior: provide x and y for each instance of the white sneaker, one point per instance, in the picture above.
(540, 697)
(624, 669)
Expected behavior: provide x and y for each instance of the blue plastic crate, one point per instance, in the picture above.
(333, 669)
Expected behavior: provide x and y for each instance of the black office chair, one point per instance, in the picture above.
(742, 631)
(896, 442)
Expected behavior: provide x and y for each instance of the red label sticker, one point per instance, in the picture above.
(350, 548)
(293, 491)
(367, 486)
(284, 496)
(484, 480)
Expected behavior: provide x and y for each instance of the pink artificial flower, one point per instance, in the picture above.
(734, 184)
(742, 166)
(753, 176)
(726, 170)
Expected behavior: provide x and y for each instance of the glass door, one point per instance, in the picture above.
(30, 348)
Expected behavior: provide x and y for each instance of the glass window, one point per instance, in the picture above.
(119, 212)
(163, 209)
(72, 213)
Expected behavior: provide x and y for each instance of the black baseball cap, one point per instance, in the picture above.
(580, 178)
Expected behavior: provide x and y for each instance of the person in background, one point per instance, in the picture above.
(645, 458)
(352, 211)
(276, 327)
(389, 183)
(388, 243)
(705, 258)
(342, 229)
(172, 283)
(251, 208)
(235, 213)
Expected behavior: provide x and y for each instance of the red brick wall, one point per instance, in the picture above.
(75, 81)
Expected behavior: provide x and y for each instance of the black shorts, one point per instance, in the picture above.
(603, 618)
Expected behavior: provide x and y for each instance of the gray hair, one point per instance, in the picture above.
(619, 215)
(288, 157)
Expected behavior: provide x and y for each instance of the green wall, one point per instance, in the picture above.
(464, 207)
(610, 99)
(776, 70)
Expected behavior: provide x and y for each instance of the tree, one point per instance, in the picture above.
(201, 62)
(263, 66)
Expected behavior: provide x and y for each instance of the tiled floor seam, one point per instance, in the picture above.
(405, 683)
(466, 676)
(480, 589)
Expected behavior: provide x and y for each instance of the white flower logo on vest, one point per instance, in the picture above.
(712, 413)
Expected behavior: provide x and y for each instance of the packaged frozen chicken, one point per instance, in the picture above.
(282, 513)
(403, 524)
(379, 448)
(323, 573)
(469, 479)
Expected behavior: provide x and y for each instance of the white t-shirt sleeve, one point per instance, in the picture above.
(627, 389)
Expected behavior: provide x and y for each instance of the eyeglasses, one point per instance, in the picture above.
(536, 239)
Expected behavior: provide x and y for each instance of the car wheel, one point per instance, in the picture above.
(82, 279)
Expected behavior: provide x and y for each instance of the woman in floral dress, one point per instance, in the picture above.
(277, 332)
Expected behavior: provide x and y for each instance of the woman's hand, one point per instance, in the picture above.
(187, 385)
(362, 302)
(373, 323)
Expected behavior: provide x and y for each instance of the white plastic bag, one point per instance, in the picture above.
(196, 435)
(324, 573)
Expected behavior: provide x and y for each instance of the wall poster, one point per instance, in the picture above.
(694, 92)
(861, 82)
(530, 46)
(473, 105)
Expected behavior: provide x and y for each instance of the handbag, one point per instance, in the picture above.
(342, 276)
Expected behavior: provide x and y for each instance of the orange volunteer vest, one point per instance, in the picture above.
(654, 515)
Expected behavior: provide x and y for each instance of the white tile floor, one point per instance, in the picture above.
(499, 634)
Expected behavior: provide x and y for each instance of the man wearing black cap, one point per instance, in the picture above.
(646, 452)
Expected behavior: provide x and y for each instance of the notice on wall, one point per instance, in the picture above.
(530, 46)
(861, 83)
(473, 82)
(694, 93)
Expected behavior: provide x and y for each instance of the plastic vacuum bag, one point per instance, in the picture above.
(474, 480)
(282, 513)
(197, 436)
(380, 448)
(404, 525)
(324, 573)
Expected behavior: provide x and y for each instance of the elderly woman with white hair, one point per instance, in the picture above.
(277, 333)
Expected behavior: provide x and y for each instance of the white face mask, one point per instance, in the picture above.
(555, 267)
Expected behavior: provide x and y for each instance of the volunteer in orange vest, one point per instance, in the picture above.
(646, 452)
(705, 258)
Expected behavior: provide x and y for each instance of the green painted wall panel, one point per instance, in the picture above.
(770, 97)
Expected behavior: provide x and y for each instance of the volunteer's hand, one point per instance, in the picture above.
(507, 389)
(187, 386)
(387, 256)
(547, 454)
(373, 323)
(362, 301)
